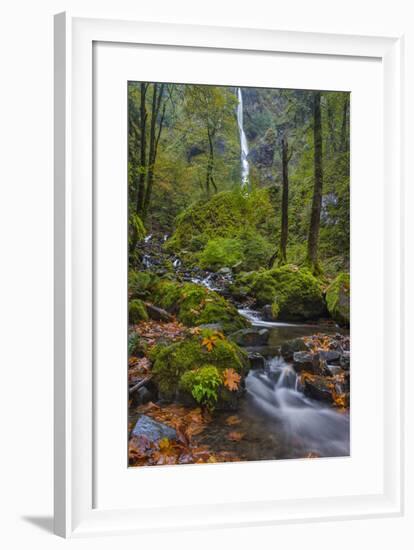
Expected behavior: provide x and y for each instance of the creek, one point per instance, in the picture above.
(278, 421)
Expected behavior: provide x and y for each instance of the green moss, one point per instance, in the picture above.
(225, 215)
(137, 311)
(136, 227)
(196, 305)
(172, 361)
(139, 283)
(294, 293)
(167, 294)
(338, 299)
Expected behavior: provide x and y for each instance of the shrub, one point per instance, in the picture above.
(203, 384)
(221, 252)
(137, 312)
(136, 346)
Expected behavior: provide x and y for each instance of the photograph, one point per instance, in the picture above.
(238, 274)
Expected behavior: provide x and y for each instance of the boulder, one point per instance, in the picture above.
(305, 361)
(330, 356)
(152, 430)
(142, 396)
(256, 360)
(251, 337)
(294, 293)
(291, 346)
(321, 368)
(345, 360)
(317, 387)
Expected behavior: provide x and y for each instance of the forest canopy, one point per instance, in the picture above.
(184, 147)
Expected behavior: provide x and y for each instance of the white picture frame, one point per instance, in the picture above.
(75, 511)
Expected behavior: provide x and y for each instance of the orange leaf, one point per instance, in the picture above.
(232, 420)
(231, 379)
(235, 436)
(209, 342)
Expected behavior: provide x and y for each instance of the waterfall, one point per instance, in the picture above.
(244, 148)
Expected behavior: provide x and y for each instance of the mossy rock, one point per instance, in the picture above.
(137, 312)
(140, 283)
(196, 305)
(338, 299)
(295, 294)
(225, 215)
(205, 387)
(171, 362)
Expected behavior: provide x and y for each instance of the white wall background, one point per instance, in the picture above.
(26, 218)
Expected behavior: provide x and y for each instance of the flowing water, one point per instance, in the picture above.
(244, 148)
(278, 421)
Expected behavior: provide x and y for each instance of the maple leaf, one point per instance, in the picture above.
(231, 379)
(235, 436)
(195, 330)
(209, 342)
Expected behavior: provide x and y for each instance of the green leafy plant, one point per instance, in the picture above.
(203, 385)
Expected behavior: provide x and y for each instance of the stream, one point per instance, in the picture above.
(278, 421)
(275, 417)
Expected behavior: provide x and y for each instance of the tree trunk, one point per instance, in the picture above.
(285, 202)
(154, 138)
(210, 164)
(344, 129)
(143, 156)
(313, 238)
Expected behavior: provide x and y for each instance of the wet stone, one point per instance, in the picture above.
(251, 337)
(256, 360)
(153, 430)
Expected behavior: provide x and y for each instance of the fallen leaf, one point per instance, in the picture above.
(209, 342)
(231, 379)
(235, 436)
(232, 420)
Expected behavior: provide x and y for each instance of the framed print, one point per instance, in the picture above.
(214, 267)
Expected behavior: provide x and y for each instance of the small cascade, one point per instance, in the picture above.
(244, 148)
(275, 393)
(255, 318)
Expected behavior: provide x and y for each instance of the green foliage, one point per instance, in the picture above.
(225, 215)
(338, 299)
(294, 293)
(137, 311)
(221, 252)
(256, 248)
(136, 346)
(172, 361)
(136, 229)
(203, 384)
(139, 283)
(196, 305)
